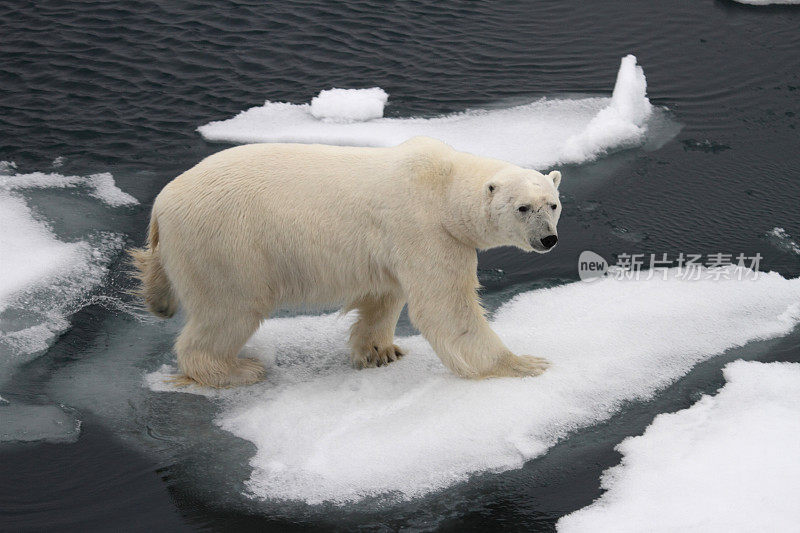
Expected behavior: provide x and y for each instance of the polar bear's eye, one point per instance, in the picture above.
(523, 208)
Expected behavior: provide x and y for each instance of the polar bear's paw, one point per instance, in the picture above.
(245, 371)
(372, 356)
(239, 372)
(513, 366)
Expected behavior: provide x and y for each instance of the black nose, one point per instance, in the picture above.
(549, 241)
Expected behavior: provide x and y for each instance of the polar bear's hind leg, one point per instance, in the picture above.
(513, 366)
(207, 351)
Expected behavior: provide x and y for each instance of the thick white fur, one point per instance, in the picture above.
(258, 226)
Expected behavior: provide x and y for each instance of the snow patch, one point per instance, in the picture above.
(727, 463)
(326, 432)
(540, 134)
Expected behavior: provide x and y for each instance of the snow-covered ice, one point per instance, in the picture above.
(540, 134)
(326, 432)
(728, 463)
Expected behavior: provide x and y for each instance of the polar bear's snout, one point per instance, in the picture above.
(543, 242)
(549, 241)
(542, 234)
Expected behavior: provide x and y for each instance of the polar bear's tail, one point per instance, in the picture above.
(155, 289)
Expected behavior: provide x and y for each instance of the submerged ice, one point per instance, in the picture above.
(27, 423)
(781, 238)
(540, 134)
(727, 463)
(326, 432)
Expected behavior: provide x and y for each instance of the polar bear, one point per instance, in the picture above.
(259, 226)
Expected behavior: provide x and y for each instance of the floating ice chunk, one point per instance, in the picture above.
(621, 123)
(26, 423)
(349, 105)
(326, 432)
(58, 161)
(106, 190)
(728, 463)
(7, 167)
(538, 134)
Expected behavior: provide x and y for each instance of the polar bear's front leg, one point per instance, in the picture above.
(449, 315)
(372, 335)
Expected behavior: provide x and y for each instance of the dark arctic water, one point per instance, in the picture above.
(121, 86)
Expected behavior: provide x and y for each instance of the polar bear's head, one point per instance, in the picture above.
(523, 208)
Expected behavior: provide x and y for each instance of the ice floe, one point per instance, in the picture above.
(539, 134)
(326, 432)
(727, 463)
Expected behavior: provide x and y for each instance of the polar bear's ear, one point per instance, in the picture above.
(556, 177)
